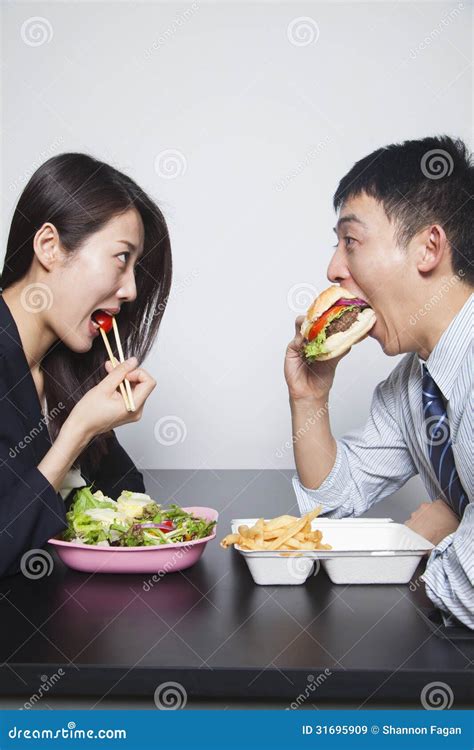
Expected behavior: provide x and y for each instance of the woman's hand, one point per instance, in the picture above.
(102, 408)
(307, 380)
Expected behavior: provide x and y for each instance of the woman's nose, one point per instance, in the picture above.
(337, 269)
(128, 292)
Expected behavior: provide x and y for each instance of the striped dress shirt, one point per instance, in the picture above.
(376, 460)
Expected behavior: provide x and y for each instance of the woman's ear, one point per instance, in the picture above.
(46, 246)
(432, 247)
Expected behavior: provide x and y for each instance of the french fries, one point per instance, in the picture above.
(287, 533)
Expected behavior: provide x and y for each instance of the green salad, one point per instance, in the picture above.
(133, 520)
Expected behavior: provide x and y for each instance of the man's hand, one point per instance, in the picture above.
(433, 520)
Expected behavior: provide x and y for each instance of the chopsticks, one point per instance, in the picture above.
(126, 394)
(122, 359)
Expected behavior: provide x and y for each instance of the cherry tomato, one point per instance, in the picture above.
(103, 319)
(166, 525)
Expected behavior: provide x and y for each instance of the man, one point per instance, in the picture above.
(404, 244)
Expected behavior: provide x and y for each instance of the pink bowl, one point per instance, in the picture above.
(160, 559)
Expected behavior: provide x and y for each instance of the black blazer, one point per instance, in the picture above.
(31, 511)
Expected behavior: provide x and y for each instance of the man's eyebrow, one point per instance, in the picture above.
(347, 219)
(130, 245)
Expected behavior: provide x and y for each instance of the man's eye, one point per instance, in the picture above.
(348, 240)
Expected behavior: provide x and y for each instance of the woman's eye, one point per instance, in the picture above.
(125, 256)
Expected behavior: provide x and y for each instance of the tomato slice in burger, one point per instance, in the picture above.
(324, 320)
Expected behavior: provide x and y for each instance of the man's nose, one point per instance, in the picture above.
(337, 269)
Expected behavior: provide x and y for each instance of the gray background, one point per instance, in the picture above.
(263, 112)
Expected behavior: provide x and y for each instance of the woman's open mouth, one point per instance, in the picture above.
(98, 319)
(93, 328)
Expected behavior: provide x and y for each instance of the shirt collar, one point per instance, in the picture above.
(446, 358)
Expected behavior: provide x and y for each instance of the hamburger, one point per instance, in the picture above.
(334, 322)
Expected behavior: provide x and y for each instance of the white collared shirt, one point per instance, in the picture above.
(376, 460)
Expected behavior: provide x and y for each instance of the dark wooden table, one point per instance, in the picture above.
(214, 631)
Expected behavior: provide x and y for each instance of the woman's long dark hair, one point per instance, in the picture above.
(79, 195)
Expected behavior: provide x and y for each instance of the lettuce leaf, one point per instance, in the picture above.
(85, 499)
(95, 518)
(87, 530)
(317, 346)
(78, 521)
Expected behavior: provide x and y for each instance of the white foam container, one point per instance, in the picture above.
(364, 550)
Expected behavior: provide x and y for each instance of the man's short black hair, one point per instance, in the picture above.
(428, 181)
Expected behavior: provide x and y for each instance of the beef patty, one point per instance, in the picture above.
(343, 322)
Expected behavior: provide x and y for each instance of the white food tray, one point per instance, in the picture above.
(364, 550)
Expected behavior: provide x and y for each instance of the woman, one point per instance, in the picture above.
(83, 237)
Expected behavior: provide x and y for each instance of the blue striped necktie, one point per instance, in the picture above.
(440, 449)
